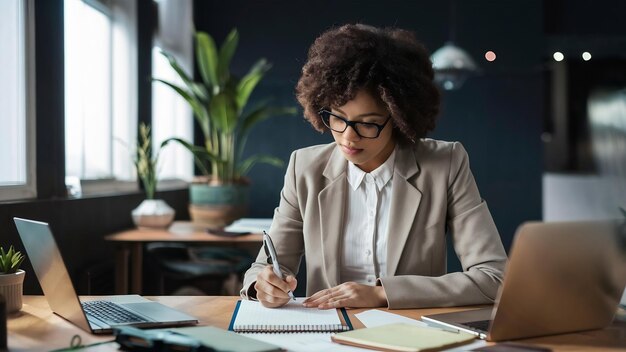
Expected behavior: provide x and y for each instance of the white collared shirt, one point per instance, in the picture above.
(366, 222)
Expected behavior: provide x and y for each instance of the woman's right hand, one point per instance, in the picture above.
(271, 290)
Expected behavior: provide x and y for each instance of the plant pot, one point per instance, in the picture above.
(217, 206)
(11, 287)
(153, 213)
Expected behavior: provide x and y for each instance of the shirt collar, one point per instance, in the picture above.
(381, 174)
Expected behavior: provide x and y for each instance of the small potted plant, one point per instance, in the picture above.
(11, 278)
(151, 213)
(219, 102)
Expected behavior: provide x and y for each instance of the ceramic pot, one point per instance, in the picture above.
(217, 205)
(153, 213)
(11, 287)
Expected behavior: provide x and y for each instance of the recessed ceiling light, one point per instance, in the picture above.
(558, 56)
(490, 56)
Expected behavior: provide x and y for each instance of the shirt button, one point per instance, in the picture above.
(368, 252)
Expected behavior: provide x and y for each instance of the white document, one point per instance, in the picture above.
(375, 317)
(468, 347)
(303, 342)
(256, 225)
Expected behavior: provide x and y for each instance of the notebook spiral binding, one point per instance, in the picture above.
(291, 328)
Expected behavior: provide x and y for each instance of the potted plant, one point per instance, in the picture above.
(11, 278)
(219, 103)
(151, 213)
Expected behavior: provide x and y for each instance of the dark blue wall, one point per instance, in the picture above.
(497, 116)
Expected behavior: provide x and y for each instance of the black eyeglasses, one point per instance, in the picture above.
(340, 124)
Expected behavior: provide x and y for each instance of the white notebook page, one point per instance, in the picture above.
(253, 313)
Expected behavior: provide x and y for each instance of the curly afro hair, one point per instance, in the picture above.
(388, 62)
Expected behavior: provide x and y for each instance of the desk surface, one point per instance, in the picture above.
(35, 327)
(180, 231)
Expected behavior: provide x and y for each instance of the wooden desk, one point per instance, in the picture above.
(35, 327)
(129, 247)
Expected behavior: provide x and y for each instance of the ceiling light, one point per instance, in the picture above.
(558, 56)
(452, 66)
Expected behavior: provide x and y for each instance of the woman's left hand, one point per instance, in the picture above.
(348, 294)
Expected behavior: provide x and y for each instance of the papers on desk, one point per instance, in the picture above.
(294, 314)
(375, 317)
(255, 225)
(303, 342)
(222, 340)
(294, 327)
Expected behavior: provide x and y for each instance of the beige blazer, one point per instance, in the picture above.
(433, 191)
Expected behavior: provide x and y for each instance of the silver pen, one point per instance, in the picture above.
(270, 251)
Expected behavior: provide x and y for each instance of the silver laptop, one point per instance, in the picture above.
(560, 278)
(93, 316)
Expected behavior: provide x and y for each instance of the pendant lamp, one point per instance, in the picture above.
(452, 65)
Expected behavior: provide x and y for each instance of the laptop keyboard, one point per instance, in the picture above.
(110, 312)
(480, 325)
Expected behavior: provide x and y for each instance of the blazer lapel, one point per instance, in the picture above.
(405, 200)
(331, 202)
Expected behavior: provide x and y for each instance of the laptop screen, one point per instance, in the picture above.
(51, 272)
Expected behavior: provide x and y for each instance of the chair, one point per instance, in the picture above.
(205, 268)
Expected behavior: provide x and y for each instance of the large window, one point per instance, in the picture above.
(171, 115)
(17, 101)
(100, 91)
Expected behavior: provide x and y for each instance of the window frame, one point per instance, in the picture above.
(113, 185)
(29, 189)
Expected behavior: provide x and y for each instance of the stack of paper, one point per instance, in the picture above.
(255, 225)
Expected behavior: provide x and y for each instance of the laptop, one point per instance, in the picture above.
(560, 278)
(98, 316)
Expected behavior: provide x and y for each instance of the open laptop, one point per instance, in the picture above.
(98, 316)
(560, 278)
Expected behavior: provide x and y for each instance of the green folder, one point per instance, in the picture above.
(403, 337)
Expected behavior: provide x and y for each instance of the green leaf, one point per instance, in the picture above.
(250, 81)
(261, 113)
(226, 54)
(197, 107)
(201, 155)
(247, 164)
(16, 261)
(10, 260)
(223, 112)
(198, 90)
(206, 55)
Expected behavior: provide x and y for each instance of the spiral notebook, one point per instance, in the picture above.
(251, 317)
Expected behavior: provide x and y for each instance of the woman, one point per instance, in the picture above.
(370, 211)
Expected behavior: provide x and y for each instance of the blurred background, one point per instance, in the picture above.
(542, 114)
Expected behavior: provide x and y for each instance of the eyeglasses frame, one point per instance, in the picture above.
(352, 124)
